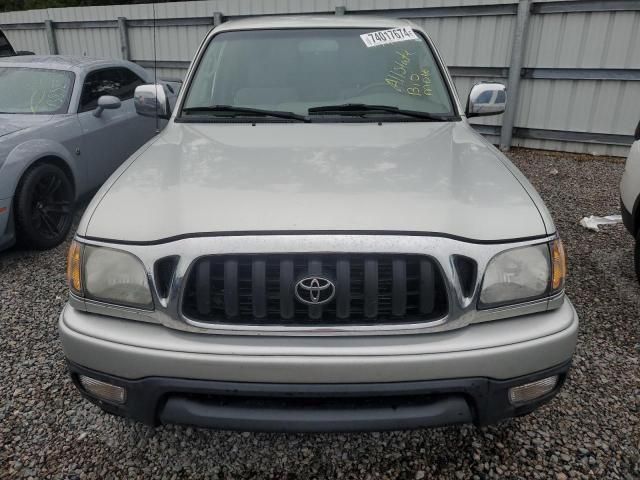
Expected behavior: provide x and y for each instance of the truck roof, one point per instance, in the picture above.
(313, 21)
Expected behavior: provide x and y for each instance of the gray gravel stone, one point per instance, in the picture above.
(591, 430)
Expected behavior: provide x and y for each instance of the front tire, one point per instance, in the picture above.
(43, 207)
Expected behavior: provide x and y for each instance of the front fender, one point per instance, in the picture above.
(25, 154)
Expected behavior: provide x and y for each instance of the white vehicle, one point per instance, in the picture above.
(318, 240)
(630, 195)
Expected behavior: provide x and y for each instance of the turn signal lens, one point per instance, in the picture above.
(559, 264)
(103, 390)
(74, 268)
(530, 391)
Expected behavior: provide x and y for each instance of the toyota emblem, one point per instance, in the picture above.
(315, 290)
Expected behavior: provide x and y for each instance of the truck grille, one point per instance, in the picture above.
(307, 290)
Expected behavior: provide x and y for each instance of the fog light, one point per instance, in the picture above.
(103, 391)
(531, 391)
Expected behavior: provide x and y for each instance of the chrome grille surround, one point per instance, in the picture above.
(461, 308)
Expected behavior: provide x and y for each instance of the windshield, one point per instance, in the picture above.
(35, 91)
(295, 70)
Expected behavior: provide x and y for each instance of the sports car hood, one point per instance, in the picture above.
(389, 177)
(10, 123)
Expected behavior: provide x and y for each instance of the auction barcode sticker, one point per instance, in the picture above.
(384, 37)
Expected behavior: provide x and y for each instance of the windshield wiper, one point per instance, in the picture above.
(361, 108)
(247, 111)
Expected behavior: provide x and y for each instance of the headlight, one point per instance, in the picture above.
(108, 275)
(523, 274)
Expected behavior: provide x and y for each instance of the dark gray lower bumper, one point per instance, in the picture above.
(319, 407)
(450, 410)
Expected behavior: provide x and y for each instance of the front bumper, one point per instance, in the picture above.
(499, 349)
(319, 407)
(448, 377)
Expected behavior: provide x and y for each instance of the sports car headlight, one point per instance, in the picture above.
(109, 275)
(523, 274)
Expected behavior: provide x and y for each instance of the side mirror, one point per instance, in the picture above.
(106, 102)
(486, 98)
(151, 101)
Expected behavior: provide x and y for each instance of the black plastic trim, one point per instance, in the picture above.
(435, 306)
(185, 410)
(327, 118)
(163, 271)
(467, 269)
(397, 405)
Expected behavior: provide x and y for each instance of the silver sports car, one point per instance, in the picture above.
(66, 123)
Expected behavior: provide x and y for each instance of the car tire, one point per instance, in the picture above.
(43, 207)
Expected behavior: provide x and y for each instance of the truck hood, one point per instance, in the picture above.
(293, 177)
(10, 123)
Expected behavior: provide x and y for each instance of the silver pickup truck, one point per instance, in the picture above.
(318, 241)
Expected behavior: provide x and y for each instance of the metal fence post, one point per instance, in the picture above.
(51, 37)
(124, 38)
(515, 69)
(341, 10)
(217, 18)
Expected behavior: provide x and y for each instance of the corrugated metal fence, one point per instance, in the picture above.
(573, 67)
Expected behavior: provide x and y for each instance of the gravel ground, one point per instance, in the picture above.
(591, 430)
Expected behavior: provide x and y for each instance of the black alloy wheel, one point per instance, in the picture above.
(44, 207)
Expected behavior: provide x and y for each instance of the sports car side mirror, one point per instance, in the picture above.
(152, 101)
(106, 102)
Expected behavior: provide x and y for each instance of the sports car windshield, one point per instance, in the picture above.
(319, 73)
(34, 91)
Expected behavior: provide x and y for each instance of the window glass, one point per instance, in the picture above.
(296, 69)
(36, 91)
(129, 83)
(118, 82)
